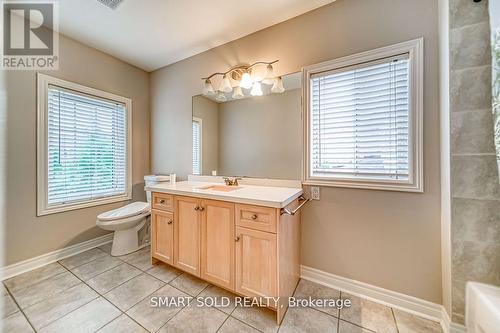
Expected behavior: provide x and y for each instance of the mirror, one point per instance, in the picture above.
(256, 136)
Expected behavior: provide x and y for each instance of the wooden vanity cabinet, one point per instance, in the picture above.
(251, 250)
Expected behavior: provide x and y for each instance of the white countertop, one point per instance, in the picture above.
(270, 196)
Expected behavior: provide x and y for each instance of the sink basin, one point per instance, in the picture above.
(221, 188)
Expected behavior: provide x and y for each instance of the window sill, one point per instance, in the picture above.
(366, 185)
(86, 204)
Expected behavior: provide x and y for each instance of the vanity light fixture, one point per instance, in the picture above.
(256, 89)
(220, 97)
(238, 93)
(243, 77)
(278, 86)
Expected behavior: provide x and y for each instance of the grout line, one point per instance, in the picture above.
(87, 262)
(20, 309)
(395, 321)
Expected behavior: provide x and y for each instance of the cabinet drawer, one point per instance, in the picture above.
(256, 217)
(162, 201)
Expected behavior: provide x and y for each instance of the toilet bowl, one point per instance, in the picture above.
(127, 221)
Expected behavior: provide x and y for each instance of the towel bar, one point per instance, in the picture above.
(293, 212)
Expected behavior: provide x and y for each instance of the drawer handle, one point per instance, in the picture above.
(170, 222)
(237, 238)
(254, 217)
(162, 201)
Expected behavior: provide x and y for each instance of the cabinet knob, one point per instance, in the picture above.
(197, 208)
(162, 201)
(201, 209)
(170, 222)
(237, 238)
(254, 217)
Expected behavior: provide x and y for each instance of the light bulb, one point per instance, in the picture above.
(220, 97)
(269, 77)
(256, 89)
(278, 86)
(246, 81)
(225, 85)
(208, 89)
(238, 94)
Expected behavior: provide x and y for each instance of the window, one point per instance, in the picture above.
(197, 127)
(83, 146)
(363, 124)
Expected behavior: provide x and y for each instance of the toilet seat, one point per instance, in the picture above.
(121, 213)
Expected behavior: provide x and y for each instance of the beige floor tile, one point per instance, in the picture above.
(220, 294)
(106, 247)
(189, 284)
(195, 319)
(82, 258)
(133, 291)
(368, 314)
(164, 272)
(96, 267)
(408, 323)
(137, 254)
(15, 323)
(232, 325)
(122, 324)
(32, 277)
(346, 327)
(45, 289)
(53, 308)
(87, 318)
(307, 289)
(108, 280)
(308, 320)
(261, 318)
(3, 290)
(151, 317)
(7, 306)
(143, 262)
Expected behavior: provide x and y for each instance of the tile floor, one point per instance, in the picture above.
(94, 292)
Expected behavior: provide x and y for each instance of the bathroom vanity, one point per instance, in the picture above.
(242, 238)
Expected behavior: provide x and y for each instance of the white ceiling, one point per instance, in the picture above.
(154, 33)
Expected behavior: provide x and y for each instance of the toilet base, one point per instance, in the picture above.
(126, 241)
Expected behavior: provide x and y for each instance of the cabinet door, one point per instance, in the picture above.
(187, 235)
(162, 236)
(217, 243)
(255, 262)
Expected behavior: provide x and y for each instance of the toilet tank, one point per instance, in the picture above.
(150, 180)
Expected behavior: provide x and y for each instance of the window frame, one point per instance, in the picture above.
(415, 50)
(43, 83)
(200, 152)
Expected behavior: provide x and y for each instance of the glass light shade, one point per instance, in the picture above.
(269, 77)
(208, 89)
(220, 97)
(225, 85)
(256, 89)
(238, 94)
(278, 86)
(246, 81)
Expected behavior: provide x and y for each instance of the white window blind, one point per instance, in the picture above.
(359, 121)
(87, 147)
(196, 147)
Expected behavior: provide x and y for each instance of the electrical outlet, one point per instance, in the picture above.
(315, 193)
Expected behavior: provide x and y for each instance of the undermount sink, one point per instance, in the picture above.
(222, 188)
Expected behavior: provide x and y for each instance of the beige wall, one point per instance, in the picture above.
(208, 111)
(258, 137)
(388, 239)
(27, 235)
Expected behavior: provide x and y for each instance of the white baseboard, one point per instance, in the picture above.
(414, 305)
(47, 258)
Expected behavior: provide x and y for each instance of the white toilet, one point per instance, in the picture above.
(127, 221)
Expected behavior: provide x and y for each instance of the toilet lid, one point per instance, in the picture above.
(133, 209)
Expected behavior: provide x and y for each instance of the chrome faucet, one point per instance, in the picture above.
(231, 182)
